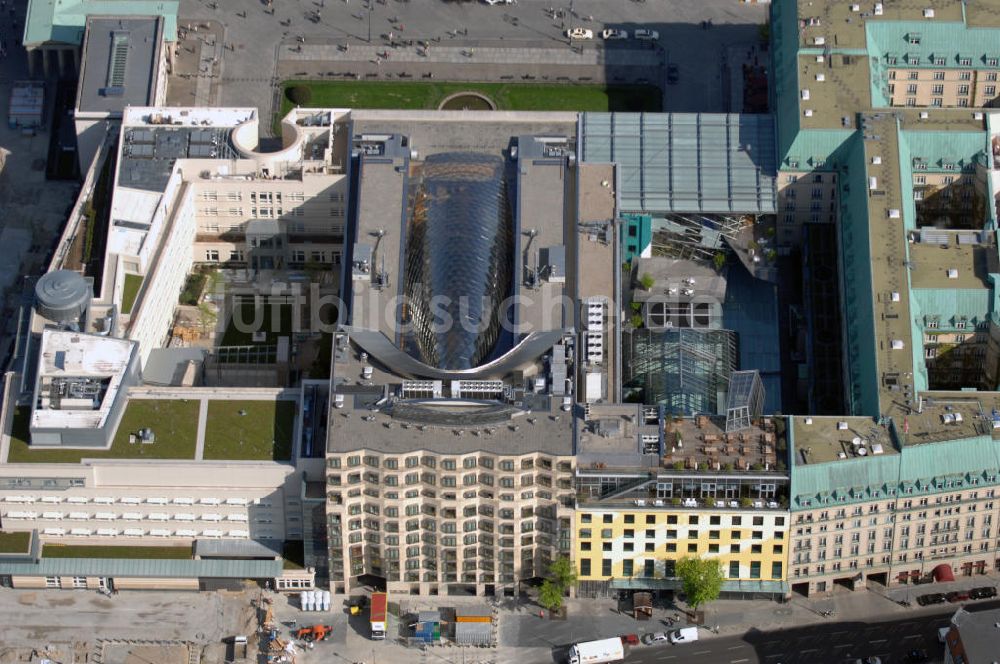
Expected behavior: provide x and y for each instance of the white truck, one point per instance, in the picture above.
(597, 652)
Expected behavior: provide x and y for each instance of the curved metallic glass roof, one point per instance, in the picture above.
(459, 258)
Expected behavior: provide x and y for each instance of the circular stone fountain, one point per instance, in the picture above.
(467, 101)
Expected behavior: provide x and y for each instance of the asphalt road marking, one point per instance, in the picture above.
(736, 647)
(666, 657)
(737, 661)
(701, 652)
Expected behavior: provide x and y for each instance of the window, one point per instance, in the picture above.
(585, 518)
(965, 62)
(605, 567)
(755, 569)
(937, 102)
(938, 75)
(991, 76)
(990, 90)
(914, 75)
(236, 255)
(992, 62)
(938, 90)
(734, 569)
(650, 520)
(776, 570)
(693, 519)
(965, 76)
(585, 567)
(212, 255)
(629, 518)
(671, 547)
(627, 567)
(692, 548)
(911, 89)
(609, 518)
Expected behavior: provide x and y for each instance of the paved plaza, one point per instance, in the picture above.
(234, 53)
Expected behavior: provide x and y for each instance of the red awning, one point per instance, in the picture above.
(943, 573)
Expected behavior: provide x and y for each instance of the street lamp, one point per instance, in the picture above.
(369, 22)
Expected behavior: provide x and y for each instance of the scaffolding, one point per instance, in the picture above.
(686, 370)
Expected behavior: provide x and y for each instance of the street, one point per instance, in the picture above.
(835, 642)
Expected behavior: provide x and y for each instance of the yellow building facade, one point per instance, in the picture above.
(750, 544)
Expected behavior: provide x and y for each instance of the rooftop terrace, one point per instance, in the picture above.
(627, 436)
(826, 439)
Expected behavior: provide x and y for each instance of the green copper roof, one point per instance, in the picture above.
(936, 150)
(918, 469)
(921, 44)
(63, 21)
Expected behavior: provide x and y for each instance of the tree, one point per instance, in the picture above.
(299, 95)
(563, 573)
(720, 260)
(701, 579)
(550, 595)
(647, 281)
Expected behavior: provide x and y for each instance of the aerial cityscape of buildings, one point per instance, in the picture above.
(430, 352)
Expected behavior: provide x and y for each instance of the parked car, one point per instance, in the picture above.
(931, 598)
(655, 638)
(983, 592)
(646, 35)
(673, 74)
(958, 595)
(917, 656)
(630, 639)
(580, 33)
(614, 33)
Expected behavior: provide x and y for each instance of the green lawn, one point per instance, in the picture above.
(175, 423)
(263, 433)
(507, 96)
(130, 291)
(15, 542)
(244, 312)
(150, 552)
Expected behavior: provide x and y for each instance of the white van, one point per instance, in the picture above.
(684, 635)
